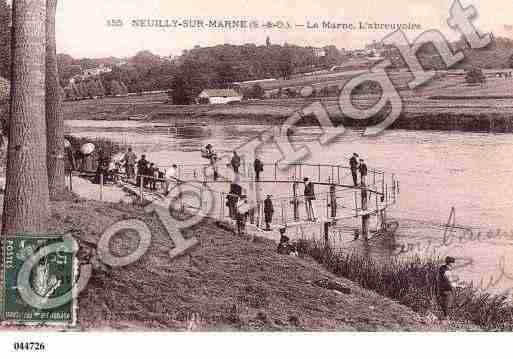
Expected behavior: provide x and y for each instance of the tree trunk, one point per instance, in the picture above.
(54, 120)
(26, 202)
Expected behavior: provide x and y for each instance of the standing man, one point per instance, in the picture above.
(268, 212)
(170, 176)
(130, 160)
(353, 164)
(258, 166)
(309, 197)
(213, 162)
(142, 169)
(151, 175)
(232, 198)
(242, 214)
(364, 196)
(363, 172)
(444, 286)
(103, 166)
(235, 162)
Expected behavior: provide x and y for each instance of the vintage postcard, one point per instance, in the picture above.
(255, 166)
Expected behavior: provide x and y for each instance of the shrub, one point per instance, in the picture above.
(412, 282)
(475, 76)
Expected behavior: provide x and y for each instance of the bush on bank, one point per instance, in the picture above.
(412, 282)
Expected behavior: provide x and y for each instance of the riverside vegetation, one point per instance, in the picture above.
(412, 282)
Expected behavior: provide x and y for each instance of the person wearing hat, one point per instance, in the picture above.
(285, 247)
(258, 166)
(102, 167)
(213, 162)
(242, 214)
(235, 162)
(353, 164)
(363, 172)
(268, 212)
(130, 160)
(309, 197)
(444, 286)
(142, 169)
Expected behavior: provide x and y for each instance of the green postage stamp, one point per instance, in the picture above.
(38, 280)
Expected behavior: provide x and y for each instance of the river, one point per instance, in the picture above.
(471, 172)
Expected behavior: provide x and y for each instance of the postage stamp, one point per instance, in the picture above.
(37, 269)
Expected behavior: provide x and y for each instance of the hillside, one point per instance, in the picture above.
(226, 283)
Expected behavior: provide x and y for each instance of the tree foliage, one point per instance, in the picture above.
(475, 76)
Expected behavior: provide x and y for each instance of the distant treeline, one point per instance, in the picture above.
(196, 69)
(221, 66)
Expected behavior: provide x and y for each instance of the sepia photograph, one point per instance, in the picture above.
(289, 170)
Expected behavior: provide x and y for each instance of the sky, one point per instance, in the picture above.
(82, 29)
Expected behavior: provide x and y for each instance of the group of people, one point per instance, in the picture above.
(356, 165)
(258, 165)
(147, 172)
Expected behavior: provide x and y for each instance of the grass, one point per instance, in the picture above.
(226, 282)
(412, 282)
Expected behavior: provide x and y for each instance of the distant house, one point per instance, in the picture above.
(319, 52)
(219, 96)
(353, 65)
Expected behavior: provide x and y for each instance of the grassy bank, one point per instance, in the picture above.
(225, 283)
(484, 114)
(412, 282)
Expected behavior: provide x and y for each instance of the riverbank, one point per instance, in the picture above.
(488, 114)
(225, 283)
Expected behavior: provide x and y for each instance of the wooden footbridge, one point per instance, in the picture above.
(338, 203)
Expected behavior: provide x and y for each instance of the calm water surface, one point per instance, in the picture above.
(472, 172)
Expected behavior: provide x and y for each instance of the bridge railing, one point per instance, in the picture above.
(334, 204)
(318, 173)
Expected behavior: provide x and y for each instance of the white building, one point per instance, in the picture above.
(319, 52)
(219, 96)
(96, 71)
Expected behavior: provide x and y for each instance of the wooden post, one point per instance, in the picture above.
(365, 227)
(295, 201)
(101, 186)
(282, 212)
(275, 170)
(327, 206)
(71, 181)
(257, 214)
(374, 177)
(355, 204)
(223, 204)
(338, 174)
(319, 168)
(378, 212)
(141, 179)
(393, 186)
(326, 226)
(333, 201)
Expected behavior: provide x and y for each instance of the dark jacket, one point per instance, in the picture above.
(142, 166)
(353, 163)
(235, 189)
(309, 191)
(443, 282)
(363, 169)
(268, 206)
(258, 165)
(235, 161)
